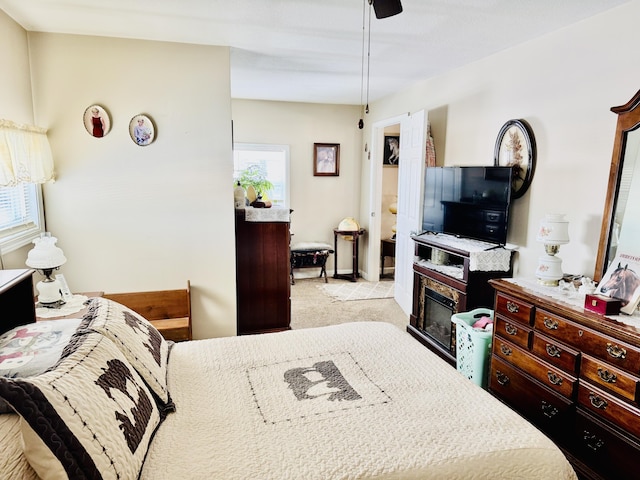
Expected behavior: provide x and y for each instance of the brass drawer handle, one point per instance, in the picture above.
(553, 351)
(510, 329)
(512, 307)
(593, 442)
(502, 378)
(596, 401)
(554, 378)
(505, 350)
(607, 376)
(616, 352)
(550, 323)
(549, 410)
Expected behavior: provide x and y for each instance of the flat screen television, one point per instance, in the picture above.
(472, 202)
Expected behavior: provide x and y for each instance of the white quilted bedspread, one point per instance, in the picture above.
(353, 401)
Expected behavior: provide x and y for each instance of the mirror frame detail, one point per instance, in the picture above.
(628, 120)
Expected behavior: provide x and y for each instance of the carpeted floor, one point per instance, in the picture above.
(311, 307)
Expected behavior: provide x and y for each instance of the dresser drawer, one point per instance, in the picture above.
(515, 310)
(555, 353)
(547, 410)
(604, 450)
(552, 377)
(593, 343)
(610, 378)
(610, 408)
(512, 331)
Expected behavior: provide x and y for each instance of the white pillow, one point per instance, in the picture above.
(142, 344)
(91, 416)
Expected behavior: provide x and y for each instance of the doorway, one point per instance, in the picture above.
(409, 186)
(376, 207)
(389, 197)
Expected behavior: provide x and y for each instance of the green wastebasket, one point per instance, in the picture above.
(473, 346)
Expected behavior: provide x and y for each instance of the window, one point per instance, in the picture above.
(21, 215)
(272, 160)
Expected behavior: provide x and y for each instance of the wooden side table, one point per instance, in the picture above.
(387, 249)
(353, 276)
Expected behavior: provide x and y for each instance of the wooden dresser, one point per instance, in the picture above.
(16, 298)
(573, 373)
(263, 271)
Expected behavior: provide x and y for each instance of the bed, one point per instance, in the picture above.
(358, 400)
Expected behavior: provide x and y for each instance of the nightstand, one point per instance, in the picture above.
(16, 298)
(387, 249)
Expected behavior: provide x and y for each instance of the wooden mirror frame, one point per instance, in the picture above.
(628, 120)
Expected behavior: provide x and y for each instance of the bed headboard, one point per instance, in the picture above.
(17, 302)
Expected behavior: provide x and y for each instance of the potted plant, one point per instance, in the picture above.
(255, 176)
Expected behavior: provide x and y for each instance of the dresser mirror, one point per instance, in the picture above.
(621, 217)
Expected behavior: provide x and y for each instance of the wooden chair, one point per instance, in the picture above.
(167, 310)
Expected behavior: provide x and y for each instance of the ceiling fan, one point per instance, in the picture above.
(386, 8)
(382, 9)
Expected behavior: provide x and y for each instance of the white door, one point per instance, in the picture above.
(408, 219)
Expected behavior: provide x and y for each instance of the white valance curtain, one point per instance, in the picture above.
(25, 154)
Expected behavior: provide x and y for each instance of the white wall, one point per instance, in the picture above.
(564, 85)
(133, 218)
(318, 203)
(15, 96)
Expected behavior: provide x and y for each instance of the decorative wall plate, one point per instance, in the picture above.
(516, 147)
(96, 120)
(142, 130)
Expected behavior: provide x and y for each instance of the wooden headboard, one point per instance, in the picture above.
(168, 310)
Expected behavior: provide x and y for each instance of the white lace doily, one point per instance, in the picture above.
(273, 214)
(572, 297)
(483, 256)
(74, 305)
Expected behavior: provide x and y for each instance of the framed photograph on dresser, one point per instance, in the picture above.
(622, 281)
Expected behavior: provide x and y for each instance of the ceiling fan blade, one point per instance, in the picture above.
(386, 8)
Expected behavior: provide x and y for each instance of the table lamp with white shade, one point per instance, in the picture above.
(553, 232)
(47, 257)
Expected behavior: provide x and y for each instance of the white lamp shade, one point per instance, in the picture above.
(45, 254)
(554, 230)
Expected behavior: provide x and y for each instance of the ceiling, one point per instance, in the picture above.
(312, 50)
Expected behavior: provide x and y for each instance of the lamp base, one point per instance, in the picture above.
(53, 306)
(49, 295)
(549, 272)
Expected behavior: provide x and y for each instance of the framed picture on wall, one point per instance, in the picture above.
(391, 154)
(142, 130)
(96, 121)
(326, 159)
(516, 147)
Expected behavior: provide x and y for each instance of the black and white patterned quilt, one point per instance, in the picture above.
(359, 400)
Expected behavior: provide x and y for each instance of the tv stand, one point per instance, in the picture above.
(451, 275)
